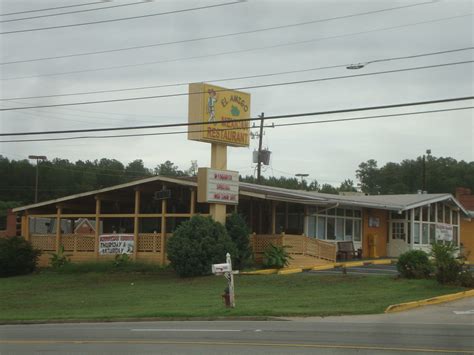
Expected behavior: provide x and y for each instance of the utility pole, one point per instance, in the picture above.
(38, 158)
(259, 155)
(423, 187)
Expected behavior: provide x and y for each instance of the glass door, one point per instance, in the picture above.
(398, 241)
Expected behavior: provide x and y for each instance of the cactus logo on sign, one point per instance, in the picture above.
(218, 109)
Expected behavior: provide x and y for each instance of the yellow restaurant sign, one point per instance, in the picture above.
(210, 104)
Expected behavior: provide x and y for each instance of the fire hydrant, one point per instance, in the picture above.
(226, 297)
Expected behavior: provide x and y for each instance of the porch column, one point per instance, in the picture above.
(274, 217)
(58, 229)
(411, 232)
(163, 231)
(97, 226)
(136, 224)
(25, 227)
(192, 207)
(286, 216)
(251, 215)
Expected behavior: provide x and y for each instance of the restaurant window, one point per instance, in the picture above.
(340, 224)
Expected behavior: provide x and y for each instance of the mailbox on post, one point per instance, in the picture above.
(219, 269)
(226, 270)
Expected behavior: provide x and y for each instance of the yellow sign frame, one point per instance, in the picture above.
(218, 108)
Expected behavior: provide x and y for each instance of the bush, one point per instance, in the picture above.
(448, 268)
(121, 260)
(276, 257)
(17, 256)
(239, 233)
(414, 264)
(197, 244)
(59, 260)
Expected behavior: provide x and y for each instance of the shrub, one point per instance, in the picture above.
(414, 264)
(276, 257)
(60, 259)
(239, 233)
(17, 256)
(447, 267)
(121, 260)
(197, 244)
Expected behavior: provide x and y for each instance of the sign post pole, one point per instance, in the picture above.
(230, 279)
(218, 161)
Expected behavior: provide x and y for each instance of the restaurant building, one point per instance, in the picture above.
(138, 217)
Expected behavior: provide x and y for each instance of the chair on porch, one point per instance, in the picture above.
(346, 251)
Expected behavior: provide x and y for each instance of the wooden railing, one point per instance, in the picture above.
(297, 244)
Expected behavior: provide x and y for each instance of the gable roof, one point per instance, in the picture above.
(397, 203)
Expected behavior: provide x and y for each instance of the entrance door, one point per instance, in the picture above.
(398, 242)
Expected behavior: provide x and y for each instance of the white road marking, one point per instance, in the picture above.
(464, 312)
(183, 330)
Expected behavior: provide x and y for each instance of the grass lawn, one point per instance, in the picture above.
(50, 295)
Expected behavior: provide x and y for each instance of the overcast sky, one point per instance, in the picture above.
(327, 152)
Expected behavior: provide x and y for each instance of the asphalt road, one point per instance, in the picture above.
(446, 328)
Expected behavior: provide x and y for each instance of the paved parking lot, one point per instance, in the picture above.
(364, 270)
(367, 270)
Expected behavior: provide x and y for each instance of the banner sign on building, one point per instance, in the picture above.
(210, 104)
(115, 244)
(218, 186)
(444, 232)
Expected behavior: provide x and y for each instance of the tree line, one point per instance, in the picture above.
(61, 177)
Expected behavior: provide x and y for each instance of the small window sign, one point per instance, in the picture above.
(374, 222)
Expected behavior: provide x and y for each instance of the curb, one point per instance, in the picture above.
(319, 267)
(430, 301)
(289, 271)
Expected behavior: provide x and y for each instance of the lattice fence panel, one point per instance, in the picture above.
(68, 241)
(260, 243)
(45, 242)
(85, 242)
(149, 242)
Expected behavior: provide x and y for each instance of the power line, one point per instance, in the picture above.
(239, 88)
(226, 129)
(54, 8)
(259, 48)
(75, 12)
(215, 36)
(123, 18)
(187, 124)
(242, 77)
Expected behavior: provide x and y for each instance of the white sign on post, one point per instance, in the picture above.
(218, 186)
(116, 244)
(444, 232)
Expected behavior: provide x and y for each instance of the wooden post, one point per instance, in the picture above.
(97, 226)
(136, 224)
(192, 207)
(273, 217)
(58, 229)
(251, 215)
(25, 227)
(163, 231)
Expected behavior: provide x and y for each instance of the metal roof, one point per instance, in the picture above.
(386, 202)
